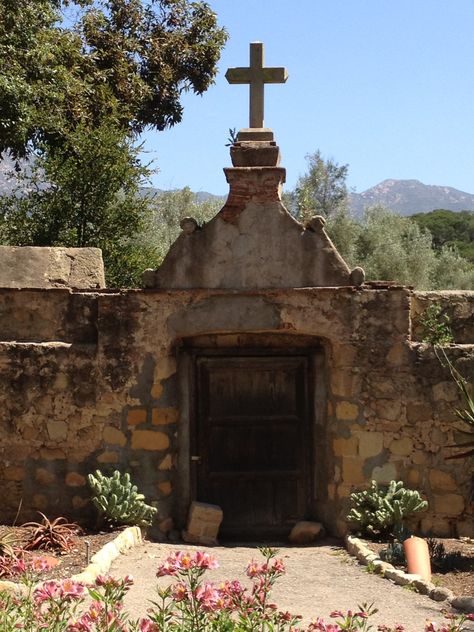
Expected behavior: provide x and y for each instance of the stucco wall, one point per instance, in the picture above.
(93, 380)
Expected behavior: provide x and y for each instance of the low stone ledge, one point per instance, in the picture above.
(441, 594)
(102, 560)
(358, 549)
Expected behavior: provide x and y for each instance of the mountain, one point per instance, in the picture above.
(411, 196)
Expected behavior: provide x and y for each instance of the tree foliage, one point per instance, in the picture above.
(322, 190)
(450, 228)
(394, 248)
(75, 90)
(424, 250)
(126, 59)
(85, 193)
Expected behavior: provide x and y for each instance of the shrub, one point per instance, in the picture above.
(381, 511)
(118, 501)
(394, 554)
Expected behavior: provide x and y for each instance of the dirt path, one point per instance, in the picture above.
(318, 580)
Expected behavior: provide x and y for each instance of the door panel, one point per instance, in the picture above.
(253, 439)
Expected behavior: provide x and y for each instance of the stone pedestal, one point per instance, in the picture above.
(255, 154)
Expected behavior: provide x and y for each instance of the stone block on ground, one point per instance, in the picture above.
(305, 532)
(204, 521)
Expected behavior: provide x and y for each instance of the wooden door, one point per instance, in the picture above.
(253, 441)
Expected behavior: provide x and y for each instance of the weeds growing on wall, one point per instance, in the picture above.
(435, 326)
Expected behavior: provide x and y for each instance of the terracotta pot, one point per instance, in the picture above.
(418, 557)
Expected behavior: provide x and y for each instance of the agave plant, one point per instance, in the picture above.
(52, 534)
(10, 552)
(7, 544)
(464, 413)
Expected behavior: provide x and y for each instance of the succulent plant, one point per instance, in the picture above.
(382, 510)
(52, 534)
(118, 501)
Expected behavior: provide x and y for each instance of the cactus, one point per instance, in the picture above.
(382, 511)
(118, 501)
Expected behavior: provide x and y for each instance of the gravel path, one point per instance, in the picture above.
(318, 580)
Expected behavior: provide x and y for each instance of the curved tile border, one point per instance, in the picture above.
(100, 562)
(361, 551)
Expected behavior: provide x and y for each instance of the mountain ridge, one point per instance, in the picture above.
(408, 197)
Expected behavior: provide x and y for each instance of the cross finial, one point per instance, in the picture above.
(256, 75)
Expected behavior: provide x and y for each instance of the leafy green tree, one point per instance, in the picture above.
(85, 193)
(394, 248)
(322, 190)
(74, 94)
(452, 271)
(126, 59)
(450, 228)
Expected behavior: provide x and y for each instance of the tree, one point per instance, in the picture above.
(85, 193)
(74, 96)
(126, 59)
(394, 248)
(450, 228)
(452, 271)
(322, 190)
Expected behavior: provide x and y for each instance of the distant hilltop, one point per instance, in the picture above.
(408, 197)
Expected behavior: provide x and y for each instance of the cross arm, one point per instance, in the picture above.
(238, 75)
(245, 75)
(275, 75)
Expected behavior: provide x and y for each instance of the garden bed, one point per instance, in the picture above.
(66, 564)
(459, 579)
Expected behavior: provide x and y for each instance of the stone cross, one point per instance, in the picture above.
(257, 76)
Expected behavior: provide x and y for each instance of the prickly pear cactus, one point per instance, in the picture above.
(118, 501)
(383, 510)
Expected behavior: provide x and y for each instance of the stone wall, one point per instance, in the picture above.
(97, 379)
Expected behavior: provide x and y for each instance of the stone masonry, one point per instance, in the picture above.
(94, 383)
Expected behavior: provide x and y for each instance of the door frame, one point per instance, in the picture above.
(187, 434)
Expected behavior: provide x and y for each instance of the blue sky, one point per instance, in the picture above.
(385, 86)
